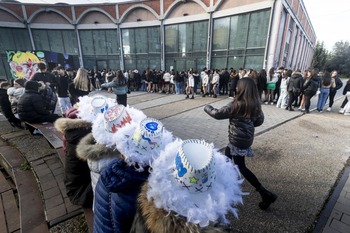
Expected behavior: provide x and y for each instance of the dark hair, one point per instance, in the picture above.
(247, 102)
(271, 73)
(42, 66)
(121, 80)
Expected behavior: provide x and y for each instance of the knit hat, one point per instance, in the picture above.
(20, 81)
(32, 85)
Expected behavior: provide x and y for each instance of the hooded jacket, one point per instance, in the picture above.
(98, 156)
(30, 106)
(150, 219)
(295, 83)
(240, 130)
(116, 195)
(77, 173)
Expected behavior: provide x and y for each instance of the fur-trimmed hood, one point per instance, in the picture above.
(158, 220)
(65, 124)
(88, 149)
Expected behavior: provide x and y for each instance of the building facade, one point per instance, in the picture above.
(163, 34)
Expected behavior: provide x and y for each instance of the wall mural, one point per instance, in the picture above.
(24, 64)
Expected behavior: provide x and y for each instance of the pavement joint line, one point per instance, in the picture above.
(178, 113)
(332, 200)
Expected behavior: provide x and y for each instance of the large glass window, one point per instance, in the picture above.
(100, 49)
(12, 39)
(141, 47)
(59, 41)
(239, 31)
(221, 34)
(240, 40)
(186, 45)
(258, 27)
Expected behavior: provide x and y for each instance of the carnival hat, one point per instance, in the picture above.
(115, 118)
(90, 107)
(99, 104)
(195, 166)
(148, 135)
(196, 181)
(141, 143)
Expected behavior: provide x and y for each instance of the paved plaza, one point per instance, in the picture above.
(303, 158)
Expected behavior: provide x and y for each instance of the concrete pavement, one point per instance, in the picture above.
(300, 157)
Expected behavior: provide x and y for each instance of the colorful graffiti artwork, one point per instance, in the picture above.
(24, 64)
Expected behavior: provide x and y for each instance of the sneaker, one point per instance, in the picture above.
(192, 97)
(341, 111)
(266, 102)
(347, 114)
(272, 103)
(329, 109)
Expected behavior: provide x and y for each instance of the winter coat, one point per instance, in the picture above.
(98, 156)
(45, 77)
(295, 83)
(76, 171)
(49, 97)
(31, 106)
(62, 86)
(240, 129)
(150, 219)
(116, 196)
(338, 84)
(311, 85)
(75, 93)
(5, 105)
(118, 89)
(346, 88)
(14, 95)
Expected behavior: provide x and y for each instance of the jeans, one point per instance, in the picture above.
(218, 88)
(322, 98)
(65, 104)
(178, 88)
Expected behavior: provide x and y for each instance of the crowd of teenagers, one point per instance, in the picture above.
(133, 173)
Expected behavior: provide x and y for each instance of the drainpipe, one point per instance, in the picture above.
(269, 34)
(162, 49)
(26, 23)
(210, 39)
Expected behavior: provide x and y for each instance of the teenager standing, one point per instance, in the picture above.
(244, 114)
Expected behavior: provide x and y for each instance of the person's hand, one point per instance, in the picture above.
(318, 91)
(208, 108)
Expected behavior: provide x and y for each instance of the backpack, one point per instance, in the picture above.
(326, 80)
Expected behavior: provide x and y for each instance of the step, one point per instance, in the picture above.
(31, 211)
(9, 215)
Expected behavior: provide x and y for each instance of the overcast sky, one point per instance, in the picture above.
(329, 18)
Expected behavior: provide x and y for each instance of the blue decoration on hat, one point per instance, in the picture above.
(181, 170)
(151, 126)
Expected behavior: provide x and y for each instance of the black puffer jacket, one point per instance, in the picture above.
(295, 83)
(240, 130)
(30, 105)
(5, 105)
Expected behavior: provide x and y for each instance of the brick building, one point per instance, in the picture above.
(163, 34)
